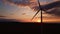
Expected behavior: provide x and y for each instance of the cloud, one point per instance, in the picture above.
(31, 3)
(23, 3)
(55, 8)
(3, 20)
(20, 2)
(34, 5)
(48, 6)
(55, 11)
(56, 0)
(23, 13)
(2, 16)
(45, 8)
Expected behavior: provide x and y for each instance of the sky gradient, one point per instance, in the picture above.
(22, 10)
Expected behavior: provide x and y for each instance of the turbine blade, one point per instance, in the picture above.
(37, 11)
(39, 4)
(50, 5)
(35, 14)
(40, 8)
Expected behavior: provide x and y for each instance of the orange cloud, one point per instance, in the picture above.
(51, 19)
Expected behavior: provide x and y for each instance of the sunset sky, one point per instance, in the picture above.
(22, 10)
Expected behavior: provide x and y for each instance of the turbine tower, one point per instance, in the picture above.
(46, 7)
(40, 9)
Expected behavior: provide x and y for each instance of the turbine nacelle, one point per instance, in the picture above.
(47, 7)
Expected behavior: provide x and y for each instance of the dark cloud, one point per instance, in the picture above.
(3, 20)
(2, 16)
(48, 6)
(33, 5)
(45, 8)
(20, 2)
(55, 11)
(35, 8)
(51, 5)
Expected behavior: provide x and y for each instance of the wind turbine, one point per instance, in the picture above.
(46, 7)
(40, 9)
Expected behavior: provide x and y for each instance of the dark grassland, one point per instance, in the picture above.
(47, 28)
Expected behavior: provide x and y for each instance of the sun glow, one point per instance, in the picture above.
(38, 21)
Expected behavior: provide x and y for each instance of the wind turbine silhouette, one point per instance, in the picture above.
(47, 7)
(38, 11)
(40, 8)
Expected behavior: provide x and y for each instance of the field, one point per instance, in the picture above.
(47, 28)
